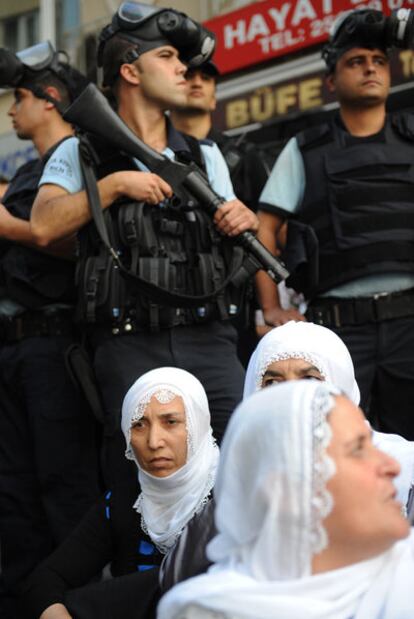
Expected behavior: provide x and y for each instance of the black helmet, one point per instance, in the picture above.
(148, 27)
(365, 28)
(32, 66)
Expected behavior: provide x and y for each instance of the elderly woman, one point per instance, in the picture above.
(307, 517)
(297, 350)
(166, 423)
(306, 350)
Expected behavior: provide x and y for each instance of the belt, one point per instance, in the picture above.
(334, 312)
(35, 324)
(167, 318)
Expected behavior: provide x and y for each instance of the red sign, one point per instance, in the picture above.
(265, 30)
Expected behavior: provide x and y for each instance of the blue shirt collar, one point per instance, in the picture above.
(175, 140)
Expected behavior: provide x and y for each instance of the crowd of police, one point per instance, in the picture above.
(111, 267)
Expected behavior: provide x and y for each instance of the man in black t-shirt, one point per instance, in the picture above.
(346, 189)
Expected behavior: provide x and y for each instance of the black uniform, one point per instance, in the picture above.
(48, 462)
(110, 533)
(249, 173)
(359, 199)
(247, 166)
(179, 249)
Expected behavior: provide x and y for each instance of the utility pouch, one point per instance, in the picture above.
(130, 231)
(210, 274)
(136, 229)
(158, 271)
(103, 289)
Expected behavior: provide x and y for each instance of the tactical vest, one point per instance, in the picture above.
(359, 199)
(173, 246)
(248, 164)
(28, 276)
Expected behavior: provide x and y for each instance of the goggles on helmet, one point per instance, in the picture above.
(24, 70)
(358, 28)
(148, 28)
(33, 60)
(369, 28)
(130, 14)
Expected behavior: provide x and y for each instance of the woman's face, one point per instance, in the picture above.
(289, 369)
(366, 518)
(159, 438)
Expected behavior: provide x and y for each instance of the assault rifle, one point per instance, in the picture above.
(92, 113)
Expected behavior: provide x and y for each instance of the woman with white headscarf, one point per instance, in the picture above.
(290, 352)
(320, 347)
(169, 499)
(166, 423)
(308, 524)
(306, 350)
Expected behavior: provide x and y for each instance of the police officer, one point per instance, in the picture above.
(48, 455)
(179, 249)
(350, 182)
(246, 163)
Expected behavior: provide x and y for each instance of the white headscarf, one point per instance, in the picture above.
(304, 340)
(326, 351)
(271, 500)
(166, 504)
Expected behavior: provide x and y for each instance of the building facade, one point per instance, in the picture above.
(268, 52)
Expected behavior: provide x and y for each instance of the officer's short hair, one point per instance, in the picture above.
(52, 80)
(68, 81)
(113, 57)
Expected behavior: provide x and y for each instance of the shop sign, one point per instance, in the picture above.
(264, 30)
(309, 92)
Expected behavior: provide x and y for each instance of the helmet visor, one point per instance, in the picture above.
(132, 14)
(38, 57)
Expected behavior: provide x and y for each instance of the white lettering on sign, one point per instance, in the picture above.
(273, 29)
(279, 40)
(238, 33)
(327, 6)
(257, 27)
(279, 15)
(303, 10)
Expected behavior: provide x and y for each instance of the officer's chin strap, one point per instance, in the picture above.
(41, 94)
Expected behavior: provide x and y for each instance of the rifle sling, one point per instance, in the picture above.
(156, 293)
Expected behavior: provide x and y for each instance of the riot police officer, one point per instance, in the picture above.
(142, 53)
(48, 455)
(346, 189)
(246, 162)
